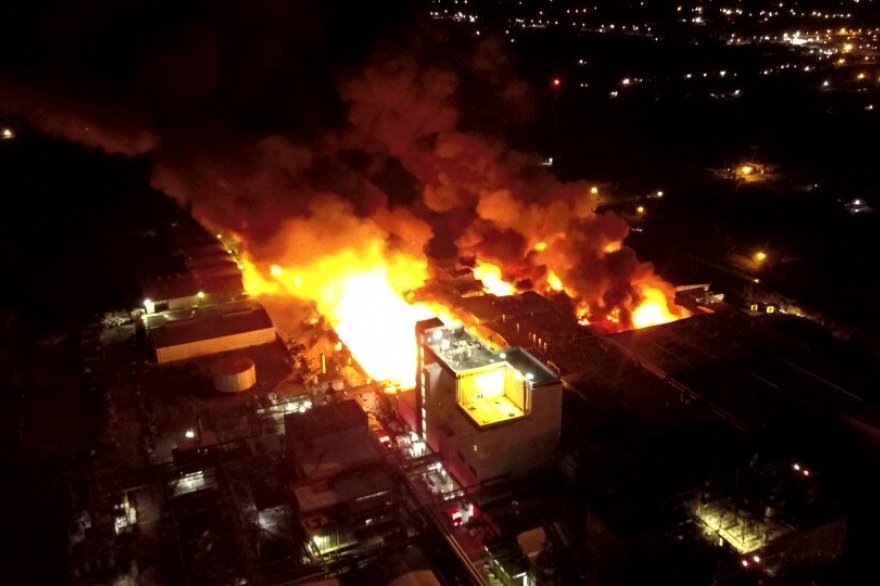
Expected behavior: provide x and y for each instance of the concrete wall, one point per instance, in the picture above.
(474, 454)
(214, 345)
(406, 407)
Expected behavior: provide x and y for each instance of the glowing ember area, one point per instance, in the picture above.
(612, 247)
(364, 302)
(655, 310)
(492, 280)
(554, 282)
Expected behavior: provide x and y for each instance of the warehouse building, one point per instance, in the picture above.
(199, 271)
(752, 374)
(188, 334)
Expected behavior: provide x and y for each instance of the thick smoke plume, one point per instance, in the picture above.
(510, 211)
(278, 121)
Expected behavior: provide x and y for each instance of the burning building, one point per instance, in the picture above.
(298, 181)
(489, 414)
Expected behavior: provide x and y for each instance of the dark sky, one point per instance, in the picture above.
(124, 75)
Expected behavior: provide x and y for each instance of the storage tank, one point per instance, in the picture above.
(234, 375)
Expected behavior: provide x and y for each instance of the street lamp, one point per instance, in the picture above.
(760, 256)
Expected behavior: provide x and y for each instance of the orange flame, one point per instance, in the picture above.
(654, 310)
(554, 282)
(493, 282)
(377, 324)
(362, 294)
(613, 246)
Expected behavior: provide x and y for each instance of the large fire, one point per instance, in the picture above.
(312, 207)
(653, 310)
(493, 282)
(365, 296)
(364, 300)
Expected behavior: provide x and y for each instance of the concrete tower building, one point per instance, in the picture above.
(489, 413)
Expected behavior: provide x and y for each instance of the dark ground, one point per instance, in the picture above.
(51, 420)
(74, 230)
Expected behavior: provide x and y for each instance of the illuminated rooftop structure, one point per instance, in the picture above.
(459, 349)
(493, 387)
(488, 412)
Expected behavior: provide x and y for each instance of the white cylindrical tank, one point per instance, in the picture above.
(234, 375)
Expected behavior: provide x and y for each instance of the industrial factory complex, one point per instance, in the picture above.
(529, 449)
(442, 293)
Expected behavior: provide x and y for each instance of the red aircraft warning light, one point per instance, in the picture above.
(556, 82)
